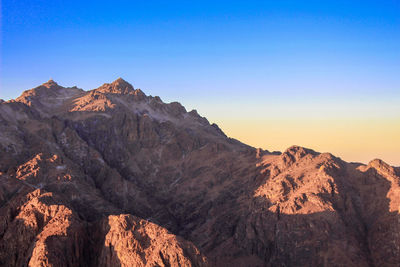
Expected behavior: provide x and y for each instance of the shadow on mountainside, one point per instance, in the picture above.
(361, 230)
(197, 184)
(38, 228)
(358, 232)
(130, 241)
(243, 232)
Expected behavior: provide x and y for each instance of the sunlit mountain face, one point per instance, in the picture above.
(266, 133)
(115, 177)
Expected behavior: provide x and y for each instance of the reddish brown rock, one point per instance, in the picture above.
(37, 230)
(130, 241)
(113, 177)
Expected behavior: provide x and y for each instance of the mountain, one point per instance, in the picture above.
(113, 177)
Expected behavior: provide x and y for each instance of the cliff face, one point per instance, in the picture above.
(113, 177)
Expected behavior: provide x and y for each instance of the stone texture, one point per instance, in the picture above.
(112, 177)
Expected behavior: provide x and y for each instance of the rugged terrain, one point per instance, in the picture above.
(112, 177)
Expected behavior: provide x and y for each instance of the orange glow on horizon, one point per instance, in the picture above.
(356, 140)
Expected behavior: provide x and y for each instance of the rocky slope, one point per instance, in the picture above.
(112, 177)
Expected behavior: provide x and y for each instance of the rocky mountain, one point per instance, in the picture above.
(113, 177)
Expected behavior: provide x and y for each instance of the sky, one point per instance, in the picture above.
(320, 74)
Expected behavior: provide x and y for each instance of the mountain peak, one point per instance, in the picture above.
(119, 86)
(382, 166)
(120, 80)
(50, 84)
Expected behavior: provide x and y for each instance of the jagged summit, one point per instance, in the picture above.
(52, 99)
(296, 152)
(120, 80)
(50, 83)
(119, 86)
(381, 166)
(121, 83)
(48, 96)
(377, 162)
(47, 89)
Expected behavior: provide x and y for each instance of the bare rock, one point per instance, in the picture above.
(113, 177)
(130, 241)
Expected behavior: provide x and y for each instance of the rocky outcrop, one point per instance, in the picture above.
(37, 230)
(130, 241)
(112, 177)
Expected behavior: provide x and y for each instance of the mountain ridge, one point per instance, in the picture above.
(116, 173)
(121, 86)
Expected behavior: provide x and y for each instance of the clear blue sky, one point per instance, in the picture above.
(225, 58)
(230, 46)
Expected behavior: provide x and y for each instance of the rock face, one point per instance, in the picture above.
(130, 241)
(112, 177)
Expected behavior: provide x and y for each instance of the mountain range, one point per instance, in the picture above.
(113, 177)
